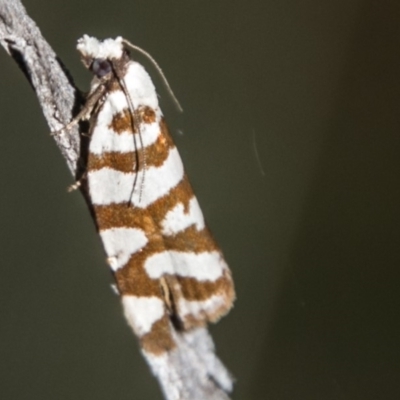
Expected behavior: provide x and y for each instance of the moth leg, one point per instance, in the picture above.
(86, 111)
(172, 293)
(78, 183)
(166, 295)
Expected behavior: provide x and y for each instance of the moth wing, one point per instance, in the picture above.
(198, 278)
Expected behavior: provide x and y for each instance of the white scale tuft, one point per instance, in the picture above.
(121, 243)
(142, 312)
(178, 220)
(202, 266)
(109, 48)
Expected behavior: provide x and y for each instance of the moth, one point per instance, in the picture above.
(169, 271)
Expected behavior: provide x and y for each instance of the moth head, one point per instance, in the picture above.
(98, 56)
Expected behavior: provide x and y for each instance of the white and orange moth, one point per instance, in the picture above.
(169, 272)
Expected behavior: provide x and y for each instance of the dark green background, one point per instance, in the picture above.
(310, 227)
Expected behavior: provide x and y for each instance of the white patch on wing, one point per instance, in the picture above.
(114, 103)
(142, 312)
(104, 139)
(110, 186)
(160, 180)
(207, 266)
(121, 243)
(176, 220)
(198, 308)
(140, 87)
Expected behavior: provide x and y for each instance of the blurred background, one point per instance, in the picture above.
(291, 139)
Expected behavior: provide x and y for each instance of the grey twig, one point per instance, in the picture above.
(58, 97)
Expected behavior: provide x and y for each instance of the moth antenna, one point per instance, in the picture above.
(159, 70)
(135, 126)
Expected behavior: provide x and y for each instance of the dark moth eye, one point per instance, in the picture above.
(101, 67)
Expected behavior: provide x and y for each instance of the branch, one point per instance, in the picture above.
(57, 95)
(192, 368)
